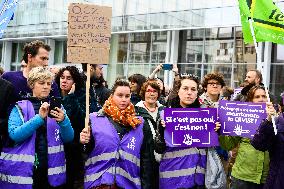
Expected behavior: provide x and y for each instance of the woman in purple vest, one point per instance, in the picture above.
(37, 159)
(115, 141)
(184, 168)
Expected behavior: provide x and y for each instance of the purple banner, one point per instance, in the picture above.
(240, 118)
(191, 127)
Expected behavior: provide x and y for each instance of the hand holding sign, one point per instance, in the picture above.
(240, 118)
(270, 111)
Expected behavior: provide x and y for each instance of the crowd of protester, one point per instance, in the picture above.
(44, 142)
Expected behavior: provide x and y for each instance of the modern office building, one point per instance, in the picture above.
(201, 36)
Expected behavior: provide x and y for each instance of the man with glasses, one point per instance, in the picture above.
(212, 85)
(36, 53)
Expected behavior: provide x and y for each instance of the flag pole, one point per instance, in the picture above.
(258, 57)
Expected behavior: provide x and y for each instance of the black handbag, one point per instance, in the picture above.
(159, 141)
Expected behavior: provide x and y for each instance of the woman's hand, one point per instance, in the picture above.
(43, 110)
(72, 90)
(175, 69)
(58, 114)
(270, 111)
(217, 127)
(163, 123)
(85, 135)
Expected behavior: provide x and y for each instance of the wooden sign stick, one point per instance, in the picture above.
(87, 118)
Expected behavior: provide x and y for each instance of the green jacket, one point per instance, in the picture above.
(251, 165)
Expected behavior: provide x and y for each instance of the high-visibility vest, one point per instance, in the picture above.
(113, 160)
(182, 168)
(17, 163)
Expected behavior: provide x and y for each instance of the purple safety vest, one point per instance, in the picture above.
(113, 160)
(16, 163)
(182, 168)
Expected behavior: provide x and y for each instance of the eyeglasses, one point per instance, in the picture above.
(214, 83)
(151, 91)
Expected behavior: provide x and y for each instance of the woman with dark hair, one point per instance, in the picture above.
(73, 93)
(162, 98)
(251, 166)
(149, 108)
(266, 140)
(114, 142)
(136, 82)
(184, 167)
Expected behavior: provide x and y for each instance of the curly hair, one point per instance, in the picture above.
(251, 92)
(76, 76)
(153, 83)
(32, 49)
(216, 76)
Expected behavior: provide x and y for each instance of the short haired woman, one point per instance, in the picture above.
(149, 108)
(37, 159)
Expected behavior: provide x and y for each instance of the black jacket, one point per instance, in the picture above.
(75, 106)
(149, 166)
(135, 98)
(6, 91)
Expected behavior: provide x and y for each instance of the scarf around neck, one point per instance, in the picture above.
(125, 117)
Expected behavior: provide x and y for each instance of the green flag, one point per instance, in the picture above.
(268, 21)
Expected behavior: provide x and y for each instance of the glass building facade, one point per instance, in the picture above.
(201, 36)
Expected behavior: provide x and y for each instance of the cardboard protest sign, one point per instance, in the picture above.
(89, 32)
(240, 118)
(190, 127)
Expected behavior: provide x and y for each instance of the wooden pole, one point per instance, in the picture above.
(87, 118)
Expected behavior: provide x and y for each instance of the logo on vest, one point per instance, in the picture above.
(56, 134)
(131, 144)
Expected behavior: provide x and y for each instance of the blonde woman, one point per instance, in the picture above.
(37, 159)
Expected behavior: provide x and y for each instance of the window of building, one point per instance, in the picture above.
(16, 56)
(159, 44)
(277, 55)
(221, 39)
(140, 46)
